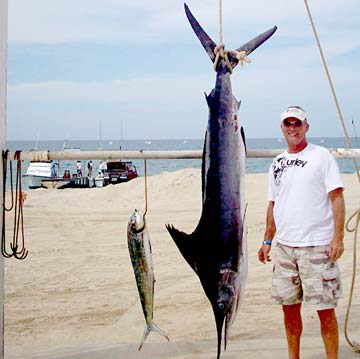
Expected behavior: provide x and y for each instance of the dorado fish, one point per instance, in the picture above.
(141, 259)
(217, 249)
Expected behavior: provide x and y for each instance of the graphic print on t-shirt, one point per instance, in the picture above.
(282, 164)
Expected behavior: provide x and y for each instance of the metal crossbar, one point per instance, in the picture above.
(155, 155)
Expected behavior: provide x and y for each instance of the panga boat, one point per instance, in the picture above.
(38, 171)
(45, 174)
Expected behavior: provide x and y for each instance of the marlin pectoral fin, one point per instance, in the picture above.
(186, 244)
(208, 44)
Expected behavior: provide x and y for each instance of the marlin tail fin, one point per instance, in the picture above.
(209, 45)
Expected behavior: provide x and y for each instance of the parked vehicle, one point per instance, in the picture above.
(119, 171)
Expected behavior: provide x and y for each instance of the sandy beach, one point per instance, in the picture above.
(75, 295)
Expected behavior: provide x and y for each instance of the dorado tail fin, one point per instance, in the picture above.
(209, 45)
(152, 327)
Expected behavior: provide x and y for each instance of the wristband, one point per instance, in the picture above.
(267, 241)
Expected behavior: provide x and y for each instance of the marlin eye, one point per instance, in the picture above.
(221, 306)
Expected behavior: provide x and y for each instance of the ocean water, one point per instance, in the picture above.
(253, 165)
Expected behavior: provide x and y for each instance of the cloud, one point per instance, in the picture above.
(43, 21)
(156, 90)
(165, 100)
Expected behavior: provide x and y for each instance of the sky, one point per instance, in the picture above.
(116, 69)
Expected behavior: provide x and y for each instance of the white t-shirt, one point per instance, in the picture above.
(299, 184)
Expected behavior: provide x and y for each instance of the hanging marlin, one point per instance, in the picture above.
(217, 249)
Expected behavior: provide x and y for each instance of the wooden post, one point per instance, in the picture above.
(3, 88)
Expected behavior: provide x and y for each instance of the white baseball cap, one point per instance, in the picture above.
(293, 111)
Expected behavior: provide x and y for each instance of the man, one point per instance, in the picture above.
(79, 169)
(90, 168)
(306, 211)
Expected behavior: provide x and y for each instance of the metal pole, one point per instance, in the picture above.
(40, 156)
(3, 88)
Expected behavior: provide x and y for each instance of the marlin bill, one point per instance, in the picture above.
(217, 249)
(141, 259)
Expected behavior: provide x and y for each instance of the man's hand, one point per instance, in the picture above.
(263, 253)
(336, 249)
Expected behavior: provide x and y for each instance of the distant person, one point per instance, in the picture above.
(102, 166)
(53, 169)
(79, 168)
(67, 174)
(89, 168)
(306, 211)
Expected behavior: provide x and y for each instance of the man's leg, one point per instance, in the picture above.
(329, 332)
(293, 327)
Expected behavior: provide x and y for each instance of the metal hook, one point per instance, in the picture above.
(18, 215)
(146, 192)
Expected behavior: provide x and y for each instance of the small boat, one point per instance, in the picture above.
(47, 171)
(45, 174)
(38, 171)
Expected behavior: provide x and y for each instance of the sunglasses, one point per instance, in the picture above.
(288, 123)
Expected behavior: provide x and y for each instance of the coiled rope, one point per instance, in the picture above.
(356, 214)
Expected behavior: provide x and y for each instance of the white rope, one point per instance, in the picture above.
(221, 53)
(355, 228)
(220, 22)
(354, 345)
(332, 87)
(240, 55)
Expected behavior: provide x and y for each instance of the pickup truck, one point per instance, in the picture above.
(120, 171)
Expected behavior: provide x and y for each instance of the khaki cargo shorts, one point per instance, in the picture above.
(305, 273)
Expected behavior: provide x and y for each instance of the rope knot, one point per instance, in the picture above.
(241, 56)
(221, 53)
